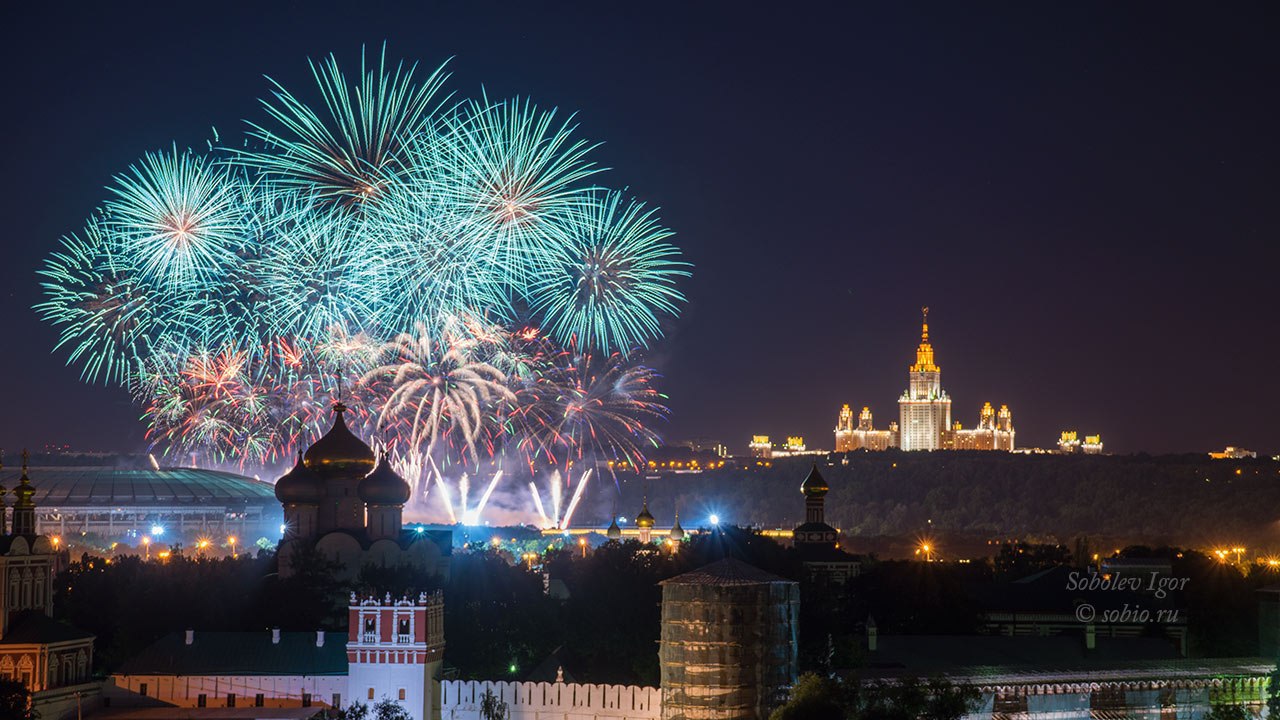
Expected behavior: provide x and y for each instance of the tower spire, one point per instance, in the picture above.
(924, 326)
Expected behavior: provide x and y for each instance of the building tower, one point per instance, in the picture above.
(844, 429)
(24, 508)
(815, 530)
(341, 460)
(924, 409)
(644, 523)
(728, 642)
(394, 650)
(677, 532)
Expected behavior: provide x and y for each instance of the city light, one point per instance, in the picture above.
(714, 519)
(157, 530)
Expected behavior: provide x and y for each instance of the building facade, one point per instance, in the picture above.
(994, 432)
(863, 436)
(394, 650)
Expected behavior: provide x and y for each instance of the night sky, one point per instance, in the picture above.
(1085, 194)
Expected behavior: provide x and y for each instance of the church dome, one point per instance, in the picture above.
(339, 452)
(814, 485)
(614, 532)
(645, 518)
(677, 532)
(299, 486)
(383, 486)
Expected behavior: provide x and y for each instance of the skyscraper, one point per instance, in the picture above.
(924, 410)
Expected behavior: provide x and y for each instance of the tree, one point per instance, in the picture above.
(15, 701)
(493, 707)
(813, 697)
(388, 709)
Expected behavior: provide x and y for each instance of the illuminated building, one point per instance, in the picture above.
(52, 660)
(924, 410)
(761, 447)
(864, 436)
(994, 432)
(844, 429)
(347, 504)
(795, 444)
(1233, 453)
(1092, 445)
(395, 649)
(1069, 441)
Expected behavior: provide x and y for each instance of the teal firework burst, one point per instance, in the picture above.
(608, 285)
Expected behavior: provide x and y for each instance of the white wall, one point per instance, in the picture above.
(280, 690)
(460, 700)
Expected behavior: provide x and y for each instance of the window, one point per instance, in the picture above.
(142, 689)
(202, 700)
(401, 693)
(337, 701)
(259, 700)
(306, 699)
(370, 693)
(231, 699)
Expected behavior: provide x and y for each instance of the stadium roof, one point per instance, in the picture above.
(106, 486)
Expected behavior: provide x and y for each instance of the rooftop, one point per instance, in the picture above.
(241, 653)
(105, 486)
(728, 571)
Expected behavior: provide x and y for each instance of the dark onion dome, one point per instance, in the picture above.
(677, 532)
(339, 451)
(814, 485)
(24, 492)
(299, 486)
(645, 518)
(614, 532)
(383, 486)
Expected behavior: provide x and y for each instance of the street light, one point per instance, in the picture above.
(582, 543)
(146, 543)
(232, 541)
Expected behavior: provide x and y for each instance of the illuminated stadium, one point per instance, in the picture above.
(119, 503)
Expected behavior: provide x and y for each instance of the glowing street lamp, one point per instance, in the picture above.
(231, 540)
(582, 543)
(146, 543)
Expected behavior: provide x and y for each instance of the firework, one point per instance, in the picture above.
(354, 146)
(392, 247)
(607, 285)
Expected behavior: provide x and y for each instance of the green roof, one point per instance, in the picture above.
(107, 486)
(241, 653)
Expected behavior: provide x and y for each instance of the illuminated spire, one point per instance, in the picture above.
(924, 353)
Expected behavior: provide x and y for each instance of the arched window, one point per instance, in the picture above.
(6, 667)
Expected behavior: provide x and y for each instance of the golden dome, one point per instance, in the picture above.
(814, 485)
(645, 518)
(339, 452)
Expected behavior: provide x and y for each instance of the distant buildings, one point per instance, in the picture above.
(864, 435)
(1233, 453)
(761, 447)
(924, 416)
(1069, 442)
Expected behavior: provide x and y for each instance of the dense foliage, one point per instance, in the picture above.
(1183, 499)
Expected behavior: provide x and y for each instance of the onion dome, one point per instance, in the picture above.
(383, 486)
(339, 451)
(614, 532)
(299, 486)
(677, 532)
(814, 486)
(24, 492)
(645, 518)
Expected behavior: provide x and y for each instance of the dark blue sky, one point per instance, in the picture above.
(1086, 194)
